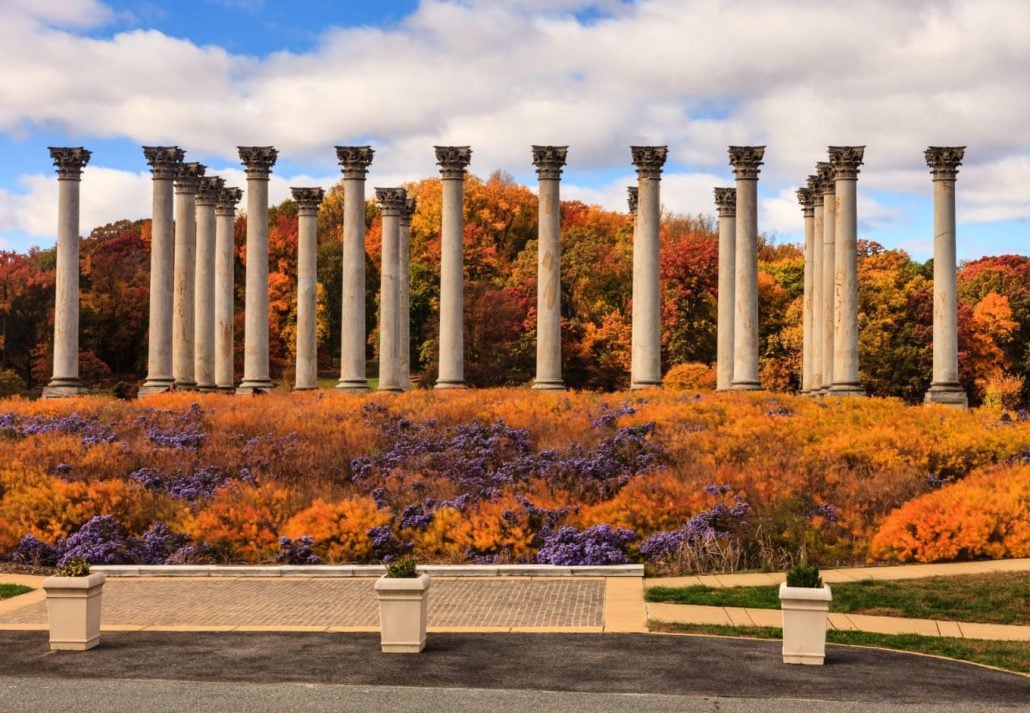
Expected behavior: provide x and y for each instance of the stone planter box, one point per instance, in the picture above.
(804, 623)
(403, 606)
(73, 608)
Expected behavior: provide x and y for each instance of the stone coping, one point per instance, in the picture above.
(366, 570)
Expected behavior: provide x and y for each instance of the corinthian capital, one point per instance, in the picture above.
(726, 202)
(258, 160)
(824, 173)
(392, 201)
(549, 161)
(409, 210)
(649, 160)
(69, 161)
(453, 160)
(354, 160)
(746, 161)
(227, 200)
(210, 189)
(845, 160)
(164, 160)
(307, 199)
(807, 201)
(944, 161)
(187, 179)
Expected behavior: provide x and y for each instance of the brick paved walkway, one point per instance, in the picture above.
(347, 604)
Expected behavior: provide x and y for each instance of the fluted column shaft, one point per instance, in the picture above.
(204, 317)
(726, 203)
(845, 160)
(164, 165)
(808, 213)
(646, 346)
(392, 203)
(354, 161)
(308, 200)
(225, 278)
(404, 321)
(548, 161)
(945, 388)
(817, 285)
(452, 161)
(258, 161)
(69, 163)
(183, 316)
(826, 184)
(746, 162)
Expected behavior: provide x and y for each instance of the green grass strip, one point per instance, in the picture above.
(999, 598)
(1008, 655)
(12, 590)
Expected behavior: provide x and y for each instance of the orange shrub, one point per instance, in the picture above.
(652, 503)
(691, 377)
(448, 538)
(501, 528)
(340, 529)
(986, 514)
(245, 519)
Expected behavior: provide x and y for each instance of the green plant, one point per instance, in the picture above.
(804, 575)
(404, 568)
(75, 567)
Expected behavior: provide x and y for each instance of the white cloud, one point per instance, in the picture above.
(694, 74)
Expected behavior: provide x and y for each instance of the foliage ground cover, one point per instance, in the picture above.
(1002, 598)
(683, 481)
(12, 590)
(1008, 655)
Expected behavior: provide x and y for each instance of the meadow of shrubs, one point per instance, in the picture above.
(682, 481)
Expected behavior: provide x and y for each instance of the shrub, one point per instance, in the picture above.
(804, 575)
(10, 383)
(404, 568)
(691, 377)
(984, 515)
(245, 520)
(599, 545)
(75, 567)
(339, 531)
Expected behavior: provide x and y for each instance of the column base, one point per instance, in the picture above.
(557, 385)
(225, 389)
(253, 387)
(394, 389)
(353, 385)
(184, 385)
(949, 394)
(207, 388)
(443, 385)
(645, 384)
(304, 388)
(849, 389)
(746, 386)
(62, 388)
(156, 385)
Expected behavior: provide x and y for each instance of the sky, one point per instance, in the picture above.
(501, 75)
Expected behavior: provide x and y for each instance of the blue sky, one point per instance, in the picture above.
(500, 75)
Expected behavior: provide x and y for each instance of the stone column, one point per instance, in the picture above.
(186, 183)
(548, 161)
(308, 200)
(746, 162)
(65, 382)
(817, 284)
(164, 165)
(258, 161)
(354, 160)
(452, 161)
(808, 213)
(632, 198)
(392, 202)
(204, 318)
(646, 345)
(945, 388)
(826, 186)
(845, 160)
(405, 291)
(726, 203)
(225, 290)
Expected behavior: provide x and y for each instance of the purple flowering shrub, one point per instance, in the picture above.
(90, 429)
(296, 551)
(179, 430)
(598, 545)
(197, 484)
(33, 552)
(703, 539)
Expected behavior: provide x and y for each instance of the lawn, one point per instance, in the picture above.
(1008, 655)
(12, 590)
(1001, 598)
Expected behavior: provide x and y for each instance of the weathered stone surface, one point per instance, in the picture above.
(646, 356)
(308, 200)
(726, 205)
(746, 162)
(452, 161)
(549, 161)
(225, 264)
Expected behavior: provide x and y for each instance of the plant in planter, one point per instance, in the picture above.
(805, 602)
(73, 599)
(403, 604)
